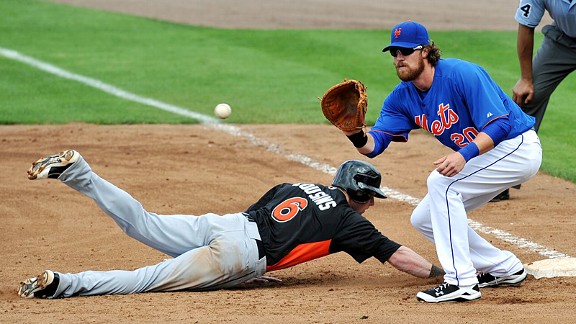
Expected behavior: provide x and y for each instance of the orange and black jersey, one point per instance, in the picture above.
(301, 222)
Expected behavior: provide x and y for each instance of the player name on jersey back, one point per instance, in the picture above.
(323, 200)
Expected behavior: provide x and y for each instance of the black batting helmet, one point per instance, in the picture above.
(359, 179)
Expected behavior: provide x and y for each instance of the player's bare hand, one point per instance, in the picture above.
(523, 91)
(450, 165)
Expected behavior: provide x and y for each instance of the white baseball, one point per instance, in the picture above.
(222, 110)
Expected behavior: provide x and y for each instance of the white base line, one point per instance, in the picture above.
(105, 87)
(235, 131)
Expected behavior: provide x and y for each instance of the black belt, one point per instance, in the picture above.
(261, 252)
(259, 244)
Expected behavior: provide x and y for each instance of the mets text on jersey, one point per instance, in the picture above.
(447, 118)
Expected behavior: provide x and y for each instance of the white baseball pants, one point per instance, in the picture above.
(442, 215)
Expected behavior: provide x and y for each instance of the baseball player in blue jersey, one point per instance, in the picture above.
(290, 224)
(495, 147)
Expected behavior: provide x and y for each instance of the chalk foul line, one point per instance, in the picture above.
(235, 131)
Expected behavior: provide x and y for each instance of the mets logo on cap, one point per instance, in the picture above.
(408, 34)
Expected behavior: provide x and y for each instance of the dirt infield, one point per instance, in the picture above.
(370, 14)
(195, 169)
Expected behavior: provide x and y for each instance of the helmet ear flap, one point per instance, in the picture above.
(360, 196)
(359, 179)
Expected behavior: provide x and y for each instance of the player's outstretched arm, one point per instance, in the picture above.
(406, 260)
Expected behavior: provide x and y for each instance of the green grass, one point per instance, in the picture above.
(267, 76)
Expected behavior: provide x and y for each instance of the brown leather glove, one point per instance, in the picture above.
(345, 105)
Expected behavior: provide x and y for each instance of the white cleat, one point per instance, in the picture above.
(51, 167)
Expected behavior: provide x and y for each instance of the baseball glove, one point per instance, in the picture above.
(345, 105)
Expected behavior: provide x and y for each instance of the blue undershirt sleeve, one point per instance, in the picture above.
(381, 142)
(469, 151)
(498, 129)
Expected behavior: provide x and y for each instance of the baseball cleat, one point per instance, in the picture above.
(504, 195)
(42, 286)
(51, 167)
(488, 280)
(449, 293)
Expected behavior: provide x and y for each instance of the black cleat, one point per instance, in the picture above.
(504, 195)
(447, 292)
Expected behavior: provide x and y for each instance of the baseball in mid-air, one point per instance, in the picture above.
(223, 110)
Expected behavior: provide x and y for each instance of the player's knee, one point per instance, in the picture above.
(418, 219)
(435, 179)
(439, 184)
(415, 221)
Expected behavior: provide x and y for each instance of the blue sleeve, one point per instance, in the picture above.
(483, 97)
(381, 142)
(498, 130)
(395, 117)
(392, 125)
(487, 102)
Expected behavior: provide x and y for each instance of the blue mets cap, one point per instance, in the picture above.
(408, 34)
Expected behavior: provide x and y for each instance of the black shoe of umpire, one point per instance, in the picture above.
(504, 195)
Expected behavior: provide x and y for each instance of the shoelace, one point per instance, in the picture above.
(441, 287)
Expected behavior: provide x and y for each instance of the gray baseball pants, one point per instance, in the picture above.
(208, 251)
(553, 62)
